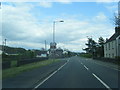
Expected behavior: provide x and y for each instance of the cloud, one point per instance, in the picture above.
(63, 1)
(100, 17)
(106, 1)
(45, 4)
(21, 28)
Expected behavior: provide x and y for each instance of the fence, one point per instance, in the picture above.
(27, 61)
(6, 64)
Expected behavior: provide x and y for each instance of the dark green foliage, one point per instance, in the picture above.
(95, 49)
(100, 49)
(12, 50)
(87, 55)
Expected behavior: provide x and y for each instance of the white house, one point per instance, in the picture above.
(112, 45)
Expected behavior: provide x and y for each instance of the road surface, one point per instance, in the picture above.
(79, 72)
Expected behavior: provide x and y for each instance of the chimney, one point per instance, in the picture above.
(117, 30)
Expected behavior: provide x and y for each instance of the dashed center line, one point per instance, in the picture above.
(97, 77)
(101, 81)
(86, 67)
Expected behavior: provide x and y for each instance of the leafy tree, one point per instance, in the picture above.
(91, 46)
(94, 48)
(101, 41)
(100, 47)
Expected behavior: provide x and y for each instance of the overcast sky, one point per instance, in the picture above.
(29, 24)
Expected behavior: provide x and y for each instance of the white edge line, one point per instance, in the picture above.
(50, 76)
(102, 82)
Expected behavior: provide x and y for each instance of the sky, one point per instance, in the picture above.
(29, 24)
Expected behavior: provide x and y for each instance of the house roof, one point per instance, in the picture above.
(113, 37)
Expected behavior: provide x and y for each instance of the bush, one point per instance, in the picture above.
(87, 55)
(117, 57)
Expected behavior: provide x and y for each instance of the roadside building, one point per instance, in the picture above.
(112, 45)
(40, 53)
(52, 50)
(59, 53)
(55, 52)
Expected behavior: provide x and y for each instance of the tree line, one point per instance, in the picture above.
(96, 49)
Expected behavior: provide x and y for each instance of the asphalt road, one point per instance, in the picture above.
(82, 73)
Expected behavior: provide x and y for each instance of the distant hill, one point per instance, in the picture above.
(12, 50)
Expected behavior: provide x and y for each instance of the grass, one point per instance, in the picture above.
(17, 70)
(13, 63)
(86, 55)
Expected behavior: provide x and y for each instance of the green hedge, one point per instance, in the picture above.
(87, 55)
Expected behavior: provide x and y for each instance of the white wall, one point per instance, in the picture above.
(110, 49)
(118, 45)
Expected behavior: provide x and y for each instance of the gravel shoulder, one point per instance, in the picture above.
(30, 78)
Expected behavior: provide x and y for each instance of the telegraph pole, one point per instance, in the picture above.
(5, 45)
(45, 45)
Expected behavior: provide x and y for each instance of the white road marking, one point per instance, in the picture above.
(86, 67)
(50, 76)
(101, 81)
(81, 63)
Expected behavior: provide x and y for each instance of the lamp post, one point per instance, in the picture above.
(54, 44)
(54, 29)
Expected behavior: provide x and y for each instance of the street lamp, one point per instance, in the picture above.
(54, 44)
(54, 29)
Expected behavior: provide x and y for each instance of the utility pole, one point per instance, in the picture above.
(5, 41)
(5, 45)
(45, 45)
(53, 31)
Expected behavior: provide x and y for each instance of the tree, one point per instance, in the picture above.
(101, 41)
(117, 20)
(95, 48)
(100, 48)
(91, 47)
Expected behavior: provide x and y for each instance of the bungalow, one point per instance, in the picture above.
(112, 45)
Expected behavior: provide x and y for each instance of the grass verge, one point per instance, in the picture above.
(86, 55)
(17, 70)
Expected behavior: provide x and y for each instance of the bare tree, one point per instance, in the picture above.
(117, 16)
(117, 20)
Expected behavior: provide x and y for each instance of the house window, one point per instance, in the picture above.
(112, 45)
(113, 55)
(109, 55)
(106, 55)
(106, 47)
(109, 46)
